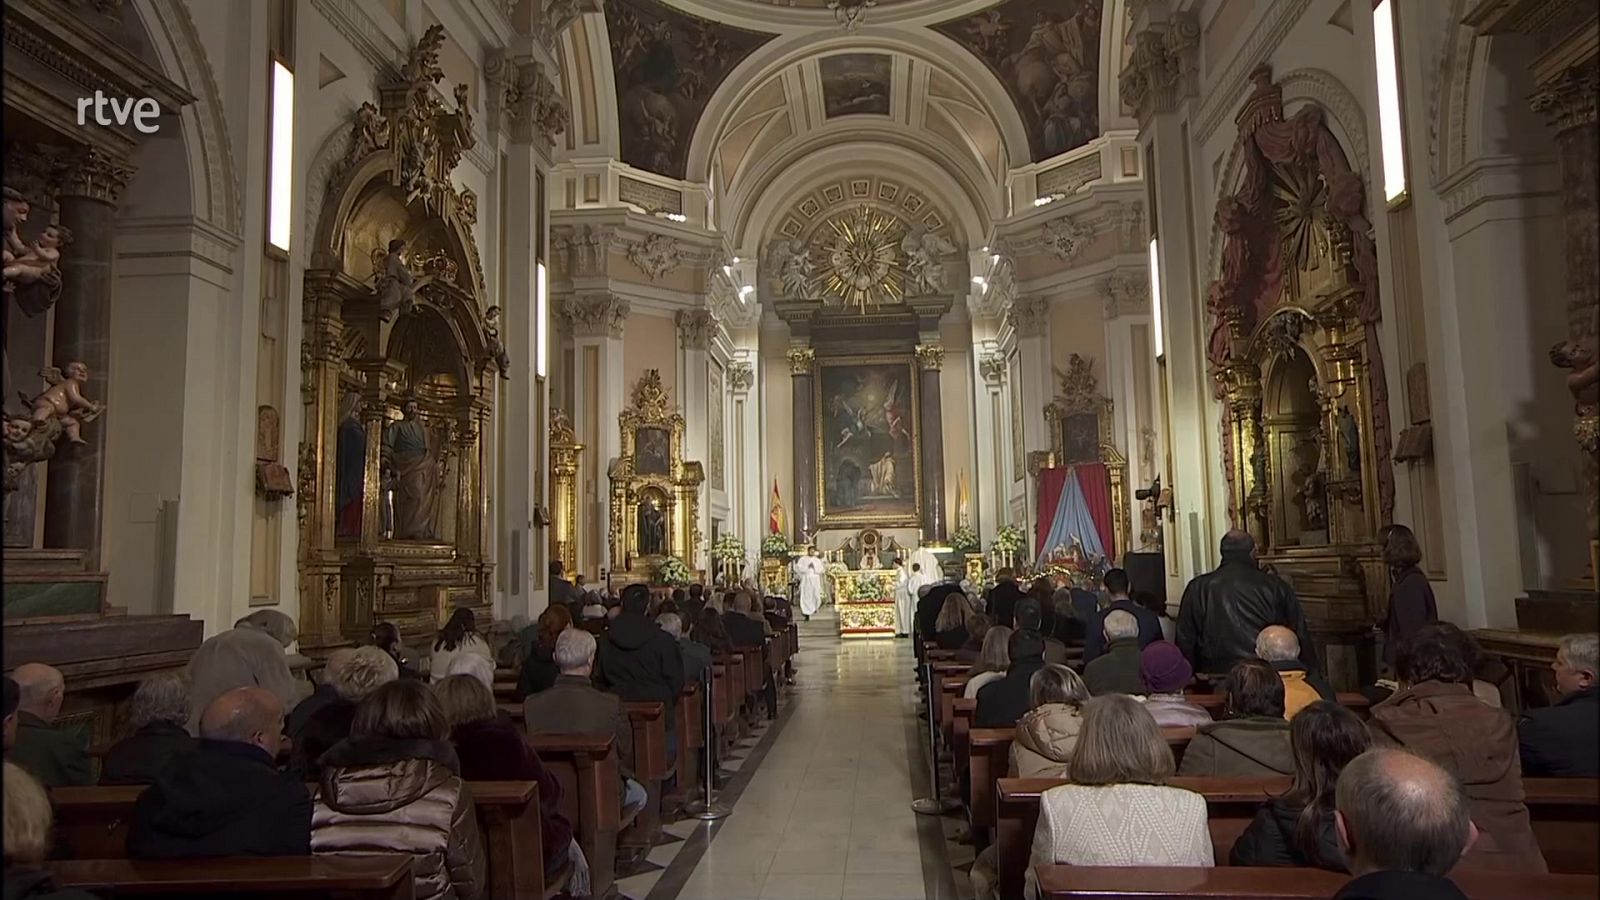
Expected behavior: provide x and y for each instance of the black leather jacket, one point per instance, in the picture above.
(1223, 611)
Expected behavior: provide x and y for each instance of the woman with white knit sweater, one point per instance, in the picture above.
(1118, 810)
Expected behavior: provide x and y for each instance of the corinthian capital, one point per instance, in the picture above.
(695, 327)
(1568, 99)
(741, 376)
(802, 360)
(1029, 315)
(930, 357)
(90, 173)
(600, 314)
(1161, 69)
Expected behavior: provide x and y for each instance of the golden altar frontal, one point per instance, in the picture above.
(864, 599)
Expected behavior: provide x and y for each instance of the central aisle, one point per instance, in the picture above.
(826, 811)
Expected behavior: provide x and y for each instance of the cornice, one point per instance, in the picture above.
(354, 22)
(1226, 91)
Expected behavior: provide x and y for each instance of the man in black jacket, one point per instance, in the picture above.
(227, 798)
(1003, 701)
(636, 660)
(1222, 611)
(1563, 741)
(1003, 598)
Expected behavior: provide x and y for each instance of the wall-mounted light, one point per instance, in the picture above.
(978, 280)
(994, 260)
(280, 167)
(735, 260)
(676, 217)
(1155, 300)
(541, 301)
(1389, 125)
(745, 292)
(1043, 201)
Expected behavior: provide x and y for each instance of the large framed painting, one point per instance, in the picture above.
(868, 469)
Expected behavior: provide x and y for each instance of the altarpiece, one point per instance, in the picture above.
(655, 492)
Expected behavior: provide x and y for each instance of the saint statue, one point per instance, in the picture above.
(350, 470)
(497, 348)
(413, 457)
(652, 530)
(394, 286)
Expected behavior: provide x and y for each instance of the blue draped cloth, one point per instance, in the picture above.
(1072, 522)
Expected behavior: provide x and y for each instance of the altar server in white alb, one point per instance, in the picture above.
(905, 599)
(808, 574)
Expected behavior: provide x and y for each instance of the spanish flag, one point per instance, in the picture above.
(775, 519)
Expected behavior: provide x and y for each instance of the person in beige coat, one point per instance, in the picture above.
(394, 786)
(251, 654)
(1047, 733)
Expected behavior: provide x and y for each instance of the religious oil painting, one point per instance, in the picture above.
(1047, 54)
(652, 454)
(855, 84)
(867, 462)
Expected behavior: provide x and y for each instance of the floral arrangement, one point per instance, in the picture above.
(673, 572)
(965, 540)
(1009, 539)
(728, 549)
(869, 588)
(775, 545)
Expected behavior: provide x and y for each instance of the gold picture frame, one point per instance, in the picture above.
(880, 425)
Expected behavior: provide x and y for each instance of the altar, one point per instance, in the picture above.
(864, 600)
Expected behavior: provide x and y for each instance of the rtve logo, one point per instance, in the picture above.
(143, 111)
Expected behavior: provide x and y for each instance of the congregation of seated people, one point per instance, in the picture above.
(1097, 724)
(239, 758)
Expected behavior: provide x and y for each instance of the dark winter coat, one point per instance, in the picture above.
(495, 750)
(140, 757)
(1003, 701)
(639, 662)
(1223, 611)
(225, 799)
(1563, 741)
(1269, 840)
(1411, 606)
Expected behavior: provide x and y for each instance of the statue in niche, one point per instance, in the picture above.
(32, 272)
(63, 401)
(1311, 490)
(412, 457)
(652, 529)
(1350, 438)
(350, 470)
(497, 350)
(792, 260)
(924, 253)
(394, 281)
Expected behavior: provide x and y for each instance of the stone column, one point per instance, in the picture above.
(930, 359)
(695, 328)
(802, 370)
(1030, 321)
(595, 320)
(993, 422)
(748, 490)
(73, 492)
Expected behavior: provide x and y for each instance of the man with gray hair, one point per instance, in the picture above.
(573, 706)
(1563, 741)
(228, 797)
(1223, 610)
(1403, 822)
(251, 654)
(1280, 648)
(159, 714)
(323, 695)
(1116, 671)
(55, 757)
(696, 656)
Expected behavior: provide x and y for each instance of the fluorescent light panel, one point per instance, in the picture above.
(541, 294)
(1394, 155)
(281, 166)
(1155, 300)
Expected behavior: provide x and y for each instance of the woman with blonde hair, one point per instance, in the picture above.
(950, 628)
(1118, 810)
(28, 822)
(993, 660)
(1048, 732)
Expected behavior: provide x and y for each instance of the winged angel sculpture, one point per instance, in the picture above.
(791, 260)
(925, 252)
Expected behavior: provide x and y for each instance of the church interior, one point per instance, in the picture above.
(469, 304)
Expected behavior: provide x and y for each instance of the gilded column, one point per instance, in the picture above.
(802, 370)
(90, 187)
(930, 359)
(564, 455)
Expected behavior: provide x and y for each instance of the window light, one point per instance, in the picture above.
(1393, 137)
(281, 165)
(541, 294)
(1155, 300)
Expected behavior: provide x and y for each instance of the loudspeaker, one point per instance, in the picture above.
(1147, 572)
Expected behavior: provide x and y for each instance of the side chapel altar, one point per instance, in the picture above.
(655, 492)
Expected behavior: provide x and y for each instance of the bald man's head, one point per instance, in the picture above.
(1276, 643)
(1397, 811)
(40, 689)
(1238, 544)
(248, 715)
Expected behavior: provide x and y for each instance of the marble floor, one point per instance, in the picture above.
(821, 798)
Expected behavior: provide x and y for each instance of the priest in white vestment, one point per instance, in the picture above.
(808, 575)
(905, 599)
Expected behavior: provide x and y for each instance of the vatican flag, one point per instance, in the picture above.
(775, 520)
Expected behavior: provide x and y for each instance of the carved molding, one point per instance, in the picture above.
(656, 256)
(598, 314)
(90, 173)
(695, 328)
(1066, 238)
(1029, 316)
(930, 357)
(1161, 70)
(992, 366)
(1568, 99)
(802, 361)
(1222, 93)
(741, 376)
(581, 250)
(1127, 293)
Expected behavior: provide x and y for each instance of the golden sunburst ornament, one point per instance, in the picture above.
(864, 265)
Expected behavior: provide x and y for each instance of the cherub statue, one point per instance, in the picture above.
(497, 350)
(40, 261)
(394, 287)
(1584, 381)
(26, 444)
(15, 209)
(64, 402)
(925, 252)
(792, 261)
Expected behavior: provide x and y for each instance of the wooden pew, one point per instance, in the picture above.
(1565, 814)
(649, 769)
(691, 737)
(93, 823)
(377, 877)
(960, 740)
(950, 688)
(1105, 883)
(591, 796)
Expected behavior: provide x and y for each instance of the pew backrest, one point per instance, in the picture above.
(1108, 883)
(369, 877)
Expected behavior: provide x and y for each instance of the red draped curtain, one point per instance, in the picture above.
(1051, 483)
(1095, 482)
